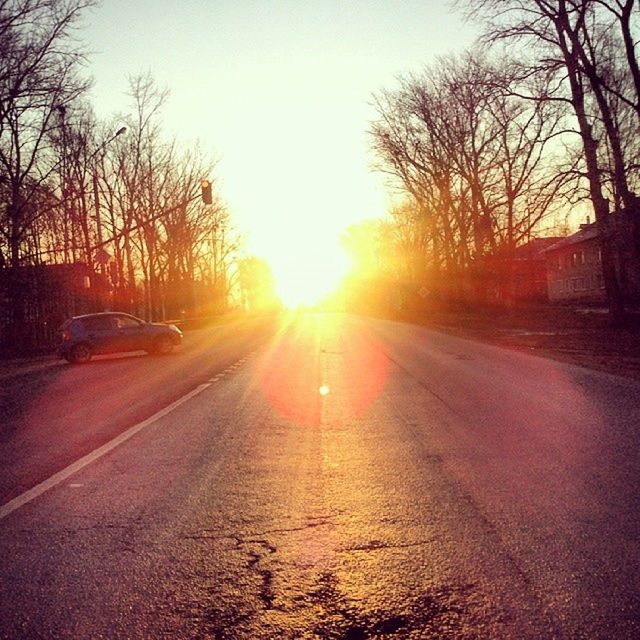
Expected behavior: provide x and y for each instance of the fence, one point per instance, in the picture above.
(35, 300)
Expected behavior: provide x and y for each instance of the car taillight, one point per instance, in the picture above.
(66, 335)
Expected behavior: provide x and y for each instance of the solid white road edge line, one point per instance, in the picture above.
(58, 477)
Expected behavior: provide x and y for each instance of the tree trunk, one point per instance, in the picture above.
(630, 50)
(600, 205)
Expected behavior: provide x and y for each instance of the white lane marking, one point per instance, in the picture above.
(59, 477)
(231, 368)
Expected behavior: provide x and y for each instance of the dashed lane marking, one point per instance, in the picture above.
(232, 368)
(61, 476)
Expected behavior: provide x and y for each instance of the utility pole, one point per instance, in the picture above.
(101, 255)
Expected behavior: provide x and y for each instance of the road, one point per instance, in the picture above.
(329, 477)
(54, 413)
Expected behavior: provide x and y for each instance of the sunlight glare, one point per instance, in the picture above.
(307, 275)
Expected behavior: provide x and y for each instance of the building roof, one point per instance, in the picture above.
(535, 247)
(586, 232)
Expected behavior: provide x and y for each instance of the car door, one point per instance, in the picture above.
(131, 334)
(100, 331)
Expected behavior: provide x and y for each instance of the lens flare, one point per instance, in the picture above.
(351, 377)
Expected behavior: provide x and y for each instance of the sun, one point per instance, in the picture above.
(305, 278)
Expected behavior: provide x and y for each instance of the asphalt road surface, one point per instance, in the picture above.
(322, 476)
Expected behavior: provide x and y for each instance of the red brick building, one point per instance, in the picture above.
(517, 278)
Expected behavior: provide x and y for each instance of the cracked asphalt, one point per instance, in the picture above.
(350, 478)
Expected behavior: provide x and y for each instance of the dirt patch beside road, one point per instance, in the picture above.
(579, 336)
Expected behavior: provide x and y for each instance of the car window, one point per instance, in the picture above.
(126, 322)
(98, 323)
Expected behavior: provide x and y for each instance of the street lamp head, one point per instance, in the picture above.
(120, 131)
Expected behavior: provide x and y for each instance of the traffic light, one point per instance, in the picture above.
(207, 198)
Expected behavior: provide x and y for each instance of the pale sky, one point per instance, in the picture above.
(280, 92)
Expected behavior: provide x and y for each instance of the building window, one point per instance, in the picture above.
(599, 255)
(582, 257)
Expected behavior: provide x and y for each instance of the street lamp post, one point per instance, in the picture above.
(101, 258)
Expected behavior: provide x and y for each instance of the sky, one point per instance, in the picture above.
(279, 91)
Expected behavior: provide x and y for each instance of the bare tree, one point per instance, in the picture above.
(476, 158)
(38, 75)
(257, 285)
(576, 44)
(163, 237)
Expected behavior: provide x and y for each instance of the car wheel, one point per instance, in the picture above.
(80, 354)
(162, 346)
